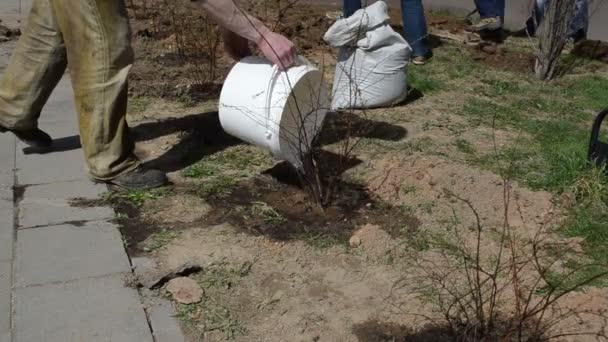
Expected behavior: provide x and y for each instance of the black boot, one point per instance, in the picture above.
(141, 178)
(32, 137)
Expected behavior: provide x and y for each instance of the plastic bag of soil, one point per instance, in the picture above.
(372, 61)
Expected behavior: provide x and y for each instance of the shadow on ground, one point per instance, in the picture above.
(204, 136)
(342, 125)
(59, 145)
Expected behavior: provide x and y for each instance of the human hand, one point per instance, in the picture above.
(236, 46)
(278, 49)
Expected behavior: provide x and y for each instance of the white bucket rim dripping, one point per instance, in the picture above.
(263, 113)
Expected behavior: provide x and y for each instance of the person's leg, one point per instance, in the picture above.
(350, 6)
(501, 8)
(580, 22)
(35, 68)
(97, 38)
(414, 26)
(486, 8)
(491, 13)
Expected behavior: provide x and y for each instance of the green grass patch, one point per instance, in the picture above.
(221, 171)
(223, 276)
(323, 240)
(464, 146)
(552, 122)
(210, 316)
(216, 313)
(268, 213)
(423, 80)
(589, 91)
(137, 197)
(219, 186)
(240, 159)
(159, 240)
(138, 105)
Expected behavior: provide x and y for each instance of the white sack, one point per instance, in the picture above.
(372, 62)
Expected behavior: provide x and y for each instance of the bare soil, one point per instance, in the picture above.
(306, 273)
(504, 59)
(162, 71)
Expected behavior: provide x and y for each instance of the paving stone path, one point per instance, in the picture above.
(63, 268)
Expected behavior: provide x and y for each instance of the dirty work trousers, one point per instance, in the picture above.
(92, 38)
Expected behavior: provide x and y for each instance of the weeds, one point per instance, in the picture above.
(464, 146)
(138, 105)
(223, 276)
(213, 315)
(422, 80)
(245, 160)
(323, 240)
(268, 213)
(159, 239)
(492, 283)
(136, 197)
(219, 186)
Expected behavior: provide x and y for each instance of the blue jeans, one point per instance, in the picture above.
(414, 23)
(491, 8)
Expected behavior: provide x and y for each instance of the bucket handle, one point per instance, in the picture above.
(300, 60)
(595, 135)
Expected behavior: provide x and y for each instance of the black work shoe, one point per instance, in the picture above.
(33, 137)
(141, 178)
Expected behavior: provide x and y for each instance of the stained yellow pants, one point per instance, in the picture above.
(92, 39)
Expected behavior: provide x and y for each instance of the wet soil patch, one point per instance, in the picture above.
(264, 205)
(503, 59)
(592, 49)
(133, 227)
(79, 202)
(376, 331)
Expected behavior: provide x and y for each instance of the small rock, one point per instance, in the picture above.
(432, 182)
(185, 290)
(354, 241)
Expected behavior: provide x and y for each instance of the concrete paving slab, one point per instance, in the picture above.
(51, 167)
(66, 161)
(164, 324)
(92, 310)
(5, 301)
(7, 158)
(6, 194)
(49, 204)
(62, 107)
(9, 6)
(6, 230)
(68, 252)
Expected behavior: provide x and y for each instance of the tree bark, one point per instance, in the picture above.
(552, 36)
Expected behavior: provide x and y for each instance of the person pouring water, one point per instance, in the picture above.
(92, 38)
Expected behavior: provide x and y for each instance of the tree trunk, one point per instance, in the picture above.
(552, 36)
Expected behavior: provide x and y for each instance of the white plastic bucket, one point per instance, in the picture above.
(275, 110)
